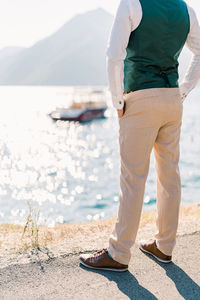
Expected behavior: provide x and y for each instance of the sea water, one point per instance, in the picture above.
(70, 171)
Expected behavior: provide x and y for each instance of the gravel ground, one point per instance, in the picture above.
(64, 278)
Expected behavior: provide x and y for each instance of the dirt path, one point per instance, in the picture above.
(63, 278)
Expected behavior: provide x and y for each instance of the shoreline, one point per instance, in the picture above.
(70, 239)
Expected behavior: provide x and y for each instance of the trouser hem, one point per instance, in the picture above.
(117, 258)
(163, 249)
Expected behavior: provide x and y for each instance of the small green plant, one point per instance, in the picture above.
(31, 226)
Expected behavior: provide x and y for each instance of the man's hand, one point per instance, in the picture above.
(121, 111)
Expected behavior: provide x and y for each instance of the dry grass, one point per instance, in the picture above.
(190, 211)
(14, 238)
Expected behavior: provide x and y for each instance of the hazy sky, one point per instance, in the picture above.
(24, 22)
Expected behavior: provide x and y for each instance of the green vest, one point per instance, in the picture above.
(155, 45)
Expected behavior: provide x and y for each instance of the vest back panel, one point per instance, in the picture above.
(155, 45)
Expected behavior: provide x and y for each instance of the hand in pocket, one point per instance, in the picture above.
(121, 111)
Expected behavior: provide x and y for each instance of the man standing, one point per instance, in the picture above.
(146, 40)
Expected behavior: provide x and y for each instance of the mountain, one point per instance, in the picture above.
(73, 55)
(9, 51)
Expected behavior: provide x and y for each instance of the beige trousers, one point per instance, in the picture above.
(152, 120)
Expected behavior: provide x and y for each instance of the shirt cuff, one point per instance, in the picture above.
(118, 102)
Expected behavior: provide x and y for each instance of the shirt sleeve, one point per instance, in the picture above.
(192, 75)
(116, 51)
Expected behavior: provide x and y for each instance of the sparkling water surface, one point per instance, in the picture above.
(70, 171)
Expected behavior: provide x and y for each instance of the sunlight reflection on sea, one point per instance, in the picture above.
(71, 170)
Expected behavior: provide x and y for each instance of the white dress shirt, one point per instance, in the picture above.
(127, 19)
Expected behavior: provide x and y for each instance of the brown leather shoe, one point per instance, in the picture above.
(101, 260)
(151, 248)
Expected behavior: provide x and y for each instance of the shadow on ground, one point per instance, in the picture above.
(185, 285)
(127, 284)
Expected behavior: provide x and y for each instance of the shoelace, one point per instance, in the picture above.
(99, 252)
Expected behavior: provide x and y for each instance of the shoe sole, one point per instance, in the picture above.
(107, 269)
(156, 257)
